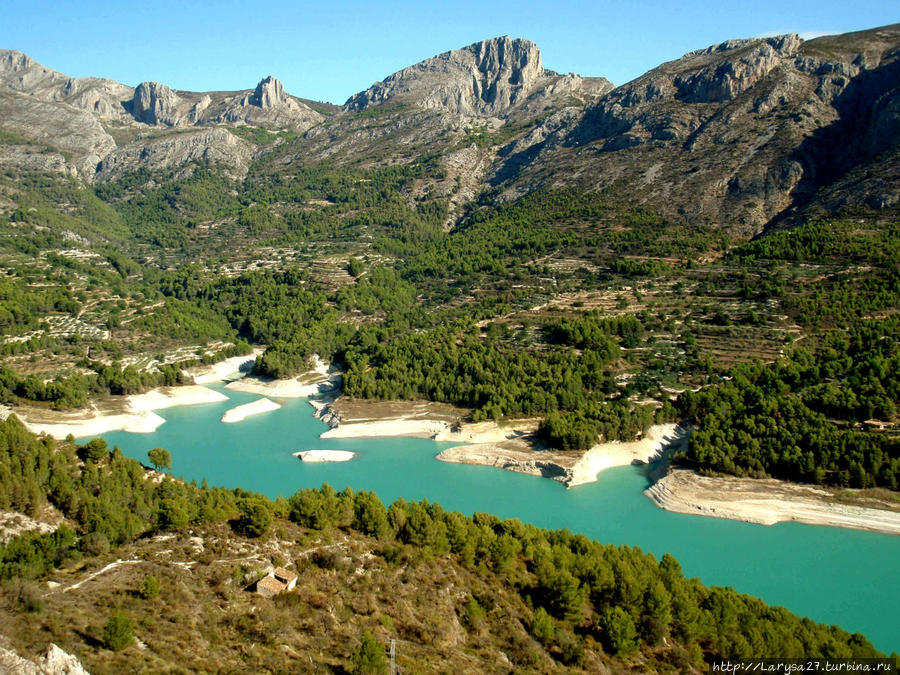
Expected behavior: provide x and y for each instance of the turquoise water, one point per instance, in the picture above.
(833, 575)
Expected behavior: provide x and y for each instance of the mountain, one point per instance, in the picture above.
(101, 125)
(488, 78)
(742, 135)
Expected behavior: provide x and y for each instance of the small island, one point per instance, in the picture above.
(325, 455)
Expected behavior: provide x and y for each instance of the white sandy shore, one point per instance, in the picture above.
(617, 453)
(170, 397)
(325, 455)
(310, 383)
(96, 423)
(137, 418)
(236, 366)
(503, 448)
(292, 388)
(393, 427)
(488, 432)
(242, 412)
(765, 502)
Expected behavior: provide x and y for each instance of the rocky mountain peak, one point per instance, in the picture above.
(485, 78)
(12, 61)
(155, 103)
(268, 93)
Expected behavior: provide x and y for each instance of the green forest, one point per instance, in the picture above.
(423, 313)
(583, 593)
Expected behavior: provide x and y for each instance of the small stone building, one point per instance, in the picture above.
(277, 581)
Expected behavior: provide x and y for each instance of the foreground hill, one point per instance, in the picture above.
(151, 574)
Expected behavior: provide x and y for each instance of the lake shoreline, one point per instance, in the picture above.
(511, 445)
(765, 502)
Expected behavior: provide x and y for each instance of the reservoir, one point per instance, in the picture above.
(832, 575)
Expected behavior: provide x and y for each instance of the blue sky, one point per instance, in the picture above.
(329, 50)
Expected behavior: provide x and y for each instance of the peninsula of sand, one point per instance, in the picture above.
(770, 501)
(242, 412)
(325, 455)
(318, 380)
(512, 445)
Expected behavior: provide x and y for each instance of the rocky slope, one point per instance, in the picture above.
(100, 127)
(488, 78)
(740, 134)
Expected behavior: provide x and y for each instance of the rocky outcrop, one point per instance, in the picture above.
(56, 661)
(61, 121)
(269, 93)
(742, 134)
(103, 98)
(487, 78)
(155, 103)
(267, 106)
(57, 125)
(229, 153)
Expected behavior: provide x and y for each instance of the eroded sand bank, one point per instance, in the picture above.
(766, 502)
(242, 412)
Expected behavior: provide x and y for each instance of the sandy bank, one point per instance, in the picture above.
(658, 439)
(765, 502)
(95, 423)
(394, 427)
(131, 413)
(169, 397)
(489, 432)
(513, 455)
(310, 383)
(246, 410)
(292, 388)
(352, 418)
(325, 455)
(236, 366)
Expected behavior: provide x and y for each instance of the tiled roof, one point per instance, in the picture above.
(283, 575)
(269, 586)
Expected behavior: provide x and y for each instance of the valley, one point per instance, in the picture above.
(475, 249)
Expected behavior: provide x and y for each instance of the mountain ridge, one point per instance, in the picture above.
(743, 135)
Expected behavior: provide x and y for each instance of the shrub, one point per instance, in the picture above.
(118, 632)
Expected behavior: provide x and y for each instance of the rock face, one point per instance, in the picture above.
(743, 134)
(267, 106)
(71, 115)
(105, 99)
(269, 93)
(155, 103)
(55, 662)
(217, 146)
(487, 78)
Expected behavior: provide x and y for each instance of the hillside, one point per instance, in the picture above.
(174, 567)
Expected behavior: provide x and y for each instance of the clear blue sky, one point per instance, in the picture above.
(330, 49)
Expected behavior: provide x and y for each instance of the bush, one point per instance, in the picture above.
(118, 632)
(542, 628)
(150, 588)
(368, 658)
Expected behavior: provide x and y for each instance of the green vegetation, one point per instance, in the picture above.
(160, 458)
(118, 633)
(413, 311)
(588, 598)
(803, 418)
